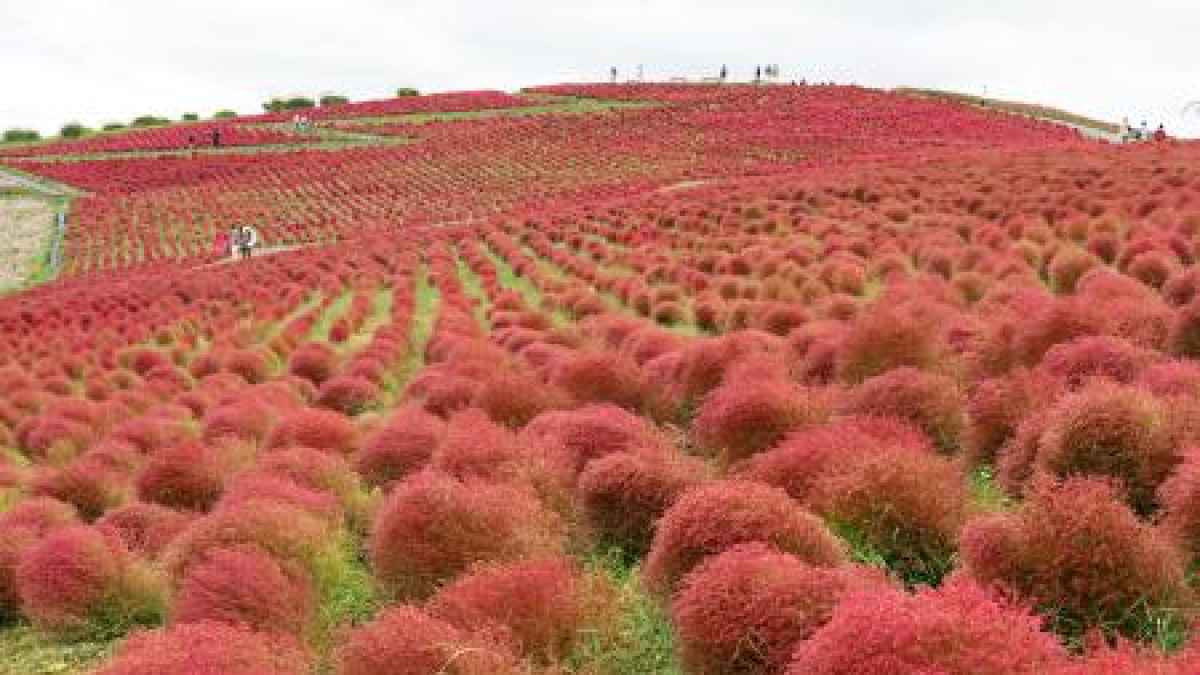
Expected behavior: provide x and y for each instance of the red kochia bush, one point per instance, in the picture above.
(245, 419)
(404, 640)
(958, 629)
(883, 339)
(513, 399)
(433, 527)
(404, 445)
(541, 607)
(592, 432)
(22, 527)
(997, 407)
(189, 476)
(797, 464)
(1081, 555)
(77, 582)
(905, 506)
(315, 428)
(744, 610)
(1128, 659)
(1180, 500)
(246, 587)
(625, 493)
(475, 447)
(745, 416)
(933, 403)
(601, 377)
(717, 516)
(314, 361)
(143, 528)
(348, 394)
(1109, 430)
(208, 648)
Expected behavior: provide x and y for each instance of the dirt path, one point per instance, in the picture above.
(25, 225)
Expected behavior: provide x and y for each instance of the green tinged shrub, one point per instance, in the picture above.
(334, 99)
(407, 91)
(21, 136)
(74, 130)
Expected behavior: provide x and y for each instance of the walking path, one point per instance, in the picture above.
(25, 224)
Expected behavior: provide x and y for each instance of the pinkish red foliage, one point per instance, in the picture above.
(717, 516)
(432, 527)
(745, 416)
(207, 648)
(246, 587)
(1037, 553)
(932, 403)
(404, 640)
(404, 445)
(958, 629)
(315, 428)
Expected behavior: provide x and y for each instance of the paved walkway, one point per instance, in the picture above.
(46, 188)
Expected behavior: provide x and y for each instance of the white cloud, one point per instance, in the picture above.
(99, 61)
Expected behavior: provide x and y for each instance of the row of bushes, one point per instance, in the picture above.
(76, 130)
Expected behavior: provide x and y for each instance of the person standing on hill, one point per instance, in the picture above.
(613, 73)
(1160, 134)
(724, 72)
(216, 137)
(757, 74)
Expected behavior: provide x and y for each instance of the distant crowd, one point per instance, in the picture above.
(1131, 134)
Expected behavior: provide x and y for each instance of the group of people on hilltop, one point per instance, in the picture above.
(301, 123)
(214, 137)
(238, 242)
(1131, 134)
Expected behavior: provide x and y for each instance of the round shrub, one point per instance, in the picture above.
(475, 447)
(1109, 430)
(246, 420)
(251, 364)
(717, 516)
(143, 528)
(209, 647)
(997, 407)
(902, 506)
(88, 484)
(592, 432)
(958, 629)
(1068, 267)
(348, 394)
(515, 399)
(1183, 339)
(932, 403)
(313, 361)
(78, 583)
(315, 428)
(246, 587)
(404, 640)
(601, 377)
(1077, 552)
(1091, 357)
(433, 527)
(798, 464)
(881, 340)
(403, 446)
(744, 417)
(190, 476)
(744, 610)
(625, 493)
(542, 607)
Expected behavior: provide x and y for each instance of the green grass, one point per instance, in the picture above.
(426, 304)
(324, 323)
(984, 491)
(473, 289)
(23, 651)
(529, 292)
(639, 640)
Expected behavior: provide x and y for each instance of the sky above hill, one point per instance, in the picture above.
(95, 61)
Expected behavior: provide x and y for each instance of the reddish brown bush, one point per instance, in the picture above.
(906, 507)
(744, 610)
(252, 365)
(90, 485)
(717, 516)
(959, 629)
(543, 608)
(514, 399)
(246, 587)
(348, 394)
(1184, 336)
(592, 432)
(746, 416)
(144, 529)
(78, 583)
(404, 445)
(601, 377)
(932, 403)
(1091, 357)
(475, 447)
(315, 428)
(1109, 430)
(797, 464)
(433, 527)
(1055, 323)
(313, 361)
(207, 648)
(245, 419)
(998, 406)
(189, 476)
(883, 339)
(625, 493)
(1081, 555)
(404, 640)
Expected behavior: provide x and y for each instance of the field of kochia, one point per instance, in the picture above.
(608, 380)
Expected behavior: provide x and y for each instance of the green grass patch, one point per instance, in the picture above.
(24, 651)
(473, 289)
(640, 638)
(984, 491)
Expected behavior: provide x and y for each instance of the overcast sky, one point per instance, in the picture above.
(102, 60)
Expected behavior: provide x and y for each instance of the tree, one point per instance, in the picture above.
(74, 130)
(113, 126)
(149, 121)
(21, 136)
(295, 103)
(334, 99)
(190, 117)
(407, 91)
(224, 114)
